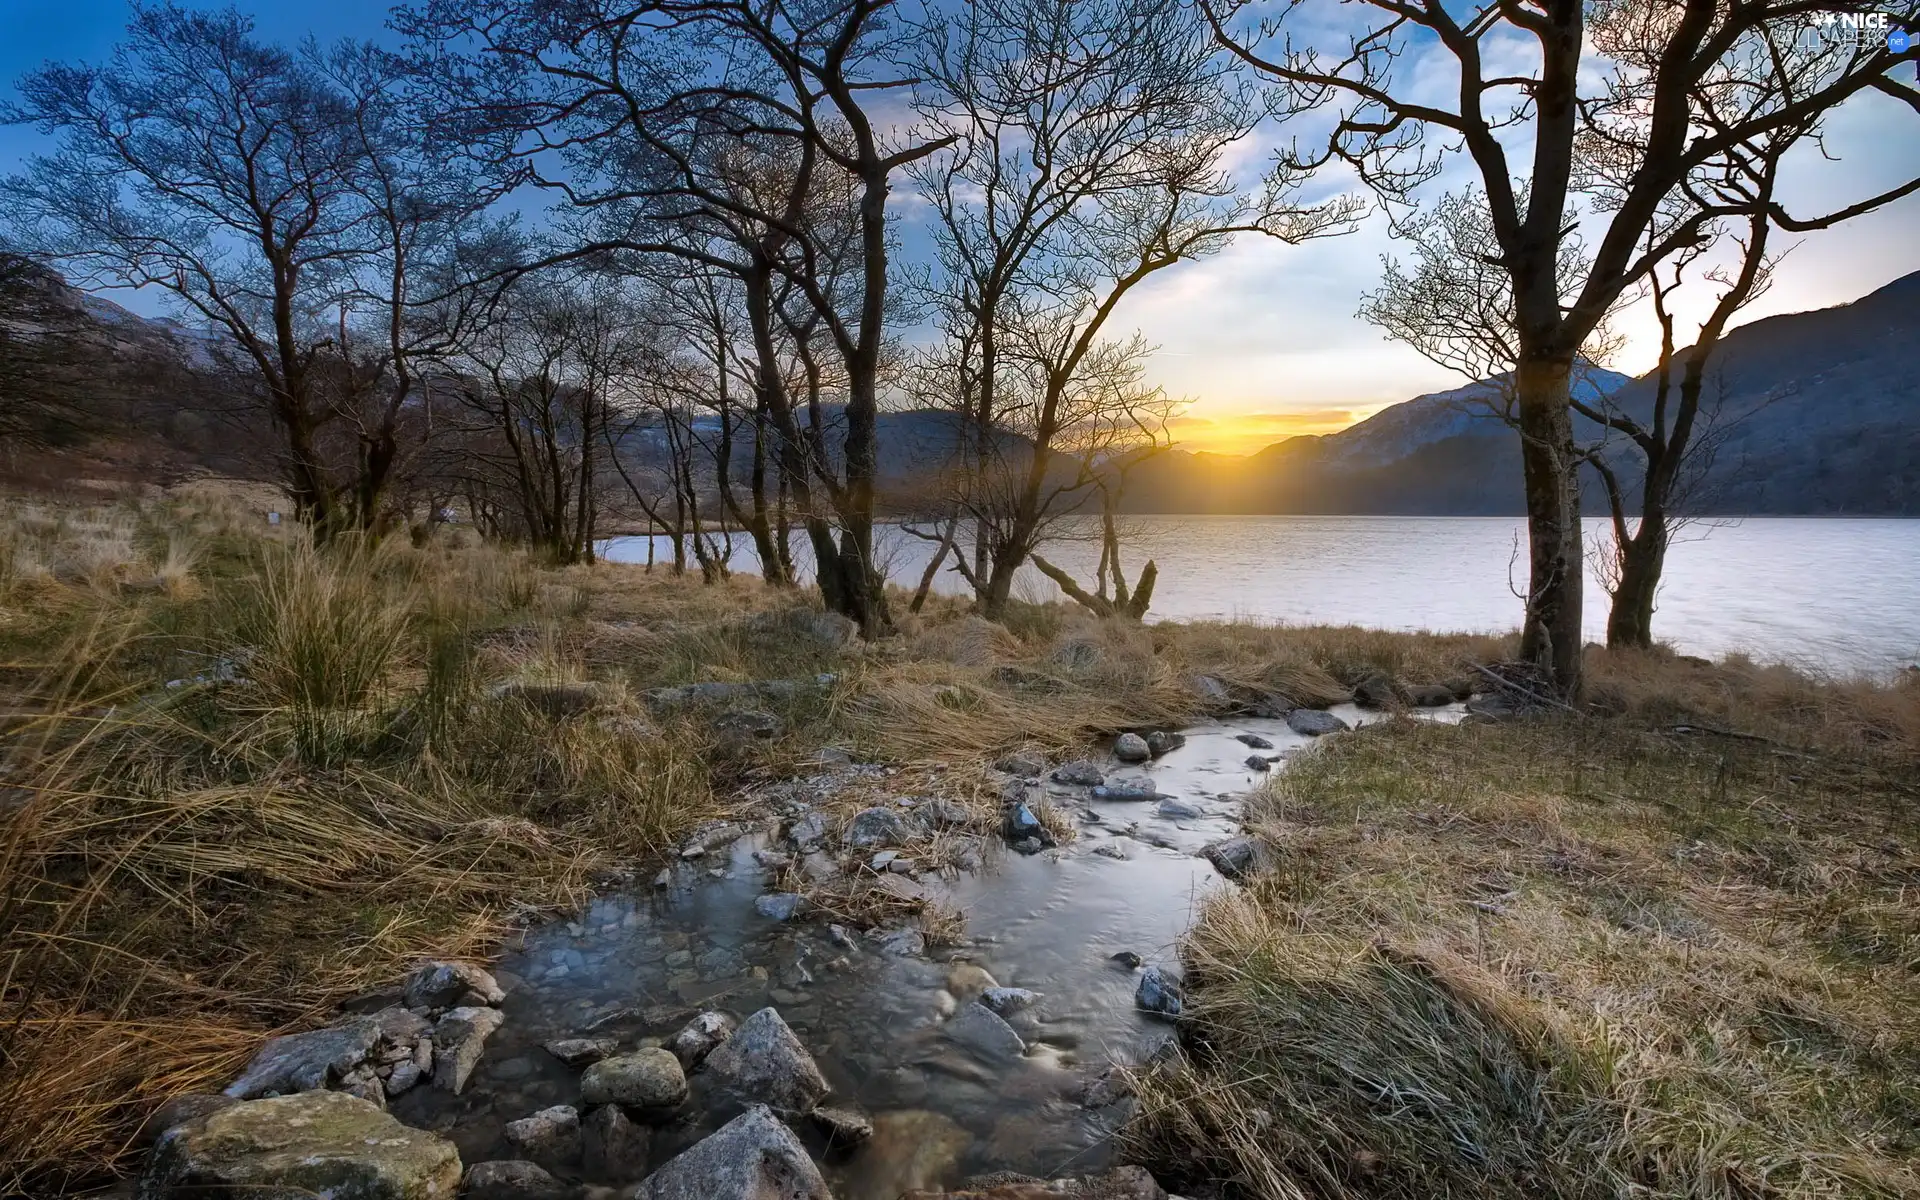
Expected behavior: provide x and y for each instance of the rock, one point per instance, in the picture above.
(911, 1148)
(1253, 741)
(764, 1063)
(1496, 706)
(819, 867)
(967, 980)
(458, 1039)
(1178, 810)
(555, 700)
(1004, 1000)
(1020, 763)
(581, 1052)
(1020, 824)
(808, 832)
(511, 1180)
(779, 906)
(981, 1030)
(903, 866)
(367, 1086)
(1112, 850)
(1079, 773)
(1257, 763)
(1463, 686)
(710, 837)
(1126, 958)
(317, 1143)
(1213, 692)
(1314, 722)
(664, 879)
(303, 1062)
(406, 1076)
(1126, 789)
(399, 1026)
(883, 860)
(827, 630)
(550, 1137)
(1378, 690)
(773, 860)
(442, 984)
(178, 1110)
(1121, 1183)
(752, 1157)
(1160, 742)
(1431, 695)
(943, 814)
(1109, 1087)
(1028, 845)
(876, 827)
(1131, 748)
(613, 1146)
(649, 1081)
(901, 943)
(844, 1126)
(1235, 857)
(744, 726)
(699, 1038)
(1158, 993)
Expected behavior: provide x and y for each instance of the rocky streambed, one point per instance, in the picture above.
(670, 1033)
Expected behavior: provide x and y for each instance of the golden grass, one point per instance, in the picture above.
(1565, 958)
(186, 869)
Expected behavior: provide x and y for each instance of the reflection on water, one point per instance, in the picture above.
(1833, 594)
(637, 965)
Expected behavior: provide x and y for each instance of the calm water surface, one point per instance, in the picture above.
(1830, 594)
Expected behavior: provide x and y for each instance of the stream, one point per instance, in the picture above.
(638, 964)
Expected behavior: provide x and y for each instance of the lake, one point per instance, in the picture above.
(1835, 595)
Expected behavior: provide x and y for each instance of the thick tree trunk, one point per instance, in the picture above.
(1551, 636)
(1630, 620)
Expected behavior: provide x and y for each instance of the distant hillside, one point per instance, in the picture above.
(1818, 412)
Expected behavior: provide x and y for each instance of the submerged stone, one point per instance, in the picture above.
(1314, 722)
(1158, 993)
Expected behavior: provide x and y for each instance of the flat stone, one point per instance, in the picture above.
(443, 984)
(581, 1052)
(1021, 763)
(648, 1080)
(1256, 763)
(1178, 810)
(1131, 748)
(981, 1030)
(1253, 741)
(843, 1125)
(1112, 850)
(1004, 1000)
(779, 906)
(1431, 695)
(1127, 789)
(764, 1063)
(405, 1077)
(400, 1025)
(752, 1157)
(700, 1037)
(317, 1143)
(459, 1037)
(1235, 857)
(911, 1149)
(1314, 722)
(550, 1137)
(511, 1180)
(901, 943)
(303, 1062)
(613, 1146)
(1079, 773)
(808, 832)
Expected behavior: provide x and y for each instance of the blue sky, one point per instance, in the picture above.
(1262, 337)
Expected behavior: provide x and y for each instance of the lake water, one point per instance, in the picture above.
(1828, 594)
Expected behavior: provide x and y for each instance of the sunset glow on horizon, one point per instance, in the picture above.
(1244, 433)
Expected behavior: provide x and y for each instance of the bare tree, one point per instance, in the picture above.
(1680, 90)
(650, 106)
(1088, 137)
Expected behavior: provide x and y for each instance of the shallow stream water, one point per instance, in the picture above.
(638, 964)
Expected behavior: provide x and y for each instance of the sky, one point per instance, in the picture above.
(1261, 338)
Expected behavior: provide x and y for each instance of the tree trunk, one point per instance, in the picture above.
(1630, 620)
(1551, 637)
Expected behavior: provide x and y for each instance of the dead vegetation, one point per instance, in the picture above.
(246, 779)
(1569, 957)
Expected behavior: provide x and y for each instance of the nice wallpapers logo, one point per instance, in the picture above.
(1860, 28)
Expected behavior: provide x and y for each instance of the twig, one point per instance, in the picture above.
(1527, 692)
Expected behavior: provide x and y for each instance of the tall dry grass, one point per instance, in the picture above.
(1567, 958)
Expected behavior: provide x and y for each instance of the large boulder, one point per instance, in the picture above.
(304, 1062)
(313, 1144)
(451, 984)
(459, 1037)
(764, 1063)
(752, 1157)
(648, 1080)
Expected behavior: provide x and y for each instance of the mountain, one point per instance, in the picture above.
(1812, 413)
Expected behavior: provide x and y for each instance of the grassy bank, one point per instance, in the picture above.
(1568, 957)
(244, 779)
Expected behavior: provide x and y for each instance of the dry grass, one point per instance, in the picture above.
(1570, 958)
(338, 787)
